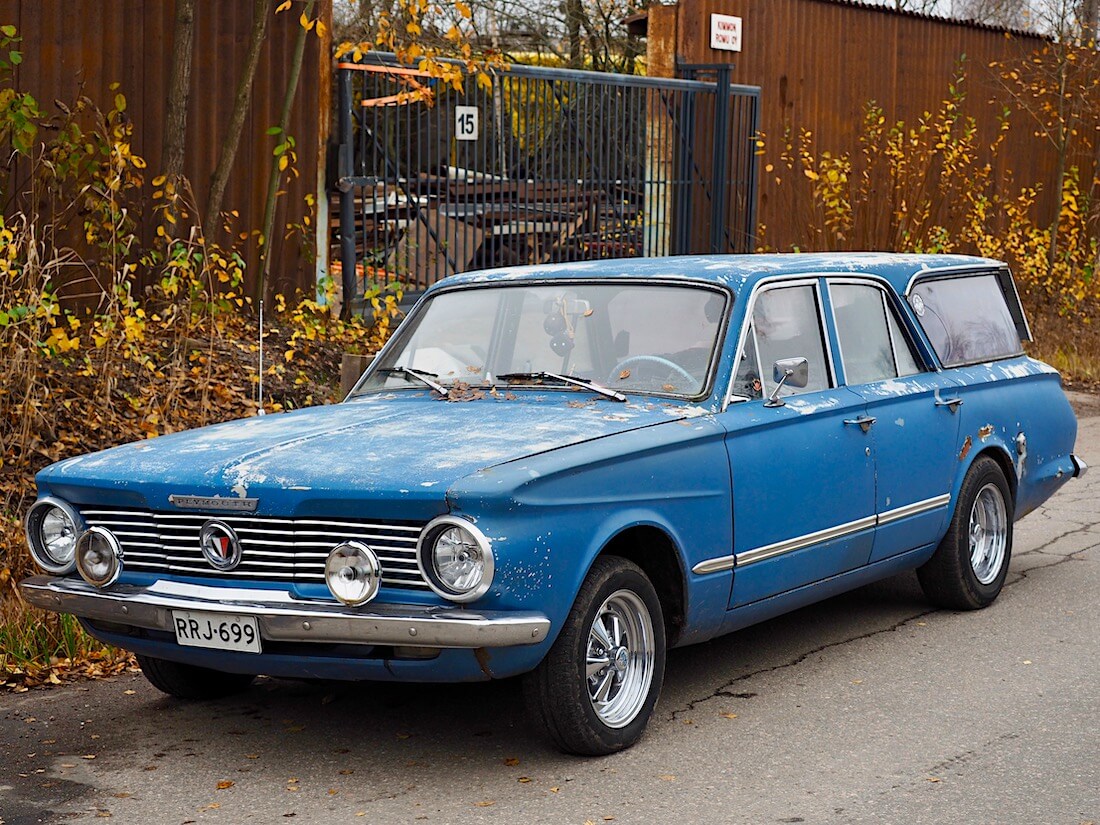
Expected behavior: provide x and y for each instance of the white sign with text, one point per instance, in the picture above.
(725, 32)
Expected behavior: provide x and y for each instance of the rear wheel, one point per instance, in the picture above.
(969, 567)
(594, 692)
(190, 681)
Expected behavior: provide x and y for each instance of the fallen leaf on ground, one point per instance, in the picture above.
(485, 803)
(225, 783)
(511, 761)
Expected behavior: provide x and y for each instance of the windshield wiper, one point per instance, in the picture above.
(565, 379)
(419, 375)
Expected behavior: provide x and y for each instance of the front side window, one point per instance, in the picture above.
(872, 345)
(787, 323)
(966, 319)
(631, 337)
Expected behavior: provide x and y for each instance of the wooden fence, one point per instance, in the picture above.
(74, 47)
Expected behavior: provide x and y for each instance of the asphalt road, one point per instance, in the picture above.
(868, 708)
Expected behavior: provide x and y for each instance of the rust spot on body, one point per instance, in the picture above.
(985, 432)
(965, 451)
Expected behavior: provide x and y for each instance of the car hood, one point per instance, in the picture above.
(401, 449)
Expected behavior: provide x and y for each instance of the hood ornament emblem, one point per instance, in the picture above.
(220, 545)
(225, 505)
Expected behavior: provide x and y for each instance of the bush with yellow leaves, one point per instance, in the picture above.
(930, 187)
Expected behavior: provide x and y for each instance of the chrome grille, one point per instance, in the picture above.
(272, 549)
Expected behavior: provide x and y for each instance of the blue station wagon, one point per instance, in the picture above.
(563, 471)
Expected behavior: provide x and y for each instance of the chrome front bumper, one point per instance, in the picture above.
(1079, 465)
(283, 618)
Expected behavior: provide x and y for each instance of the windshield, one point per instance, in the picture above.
(630, 337)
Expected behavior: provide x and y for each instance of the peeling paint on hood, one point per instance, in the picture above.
(408, 445)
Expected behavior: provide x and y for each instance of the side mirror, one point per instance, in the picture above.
(794, 372)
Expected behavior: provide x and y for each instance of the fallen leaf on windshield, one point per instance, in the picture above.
(624, 375)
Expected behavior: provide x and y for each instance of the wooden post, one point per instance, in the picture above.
(660, 62)
(351, 368)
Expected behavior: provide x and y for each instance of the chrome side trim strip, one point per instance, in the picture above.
(915, 508)
(769, 551)
(716, 565)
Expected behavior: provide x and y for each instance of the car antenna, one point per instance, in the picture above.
(261, 410)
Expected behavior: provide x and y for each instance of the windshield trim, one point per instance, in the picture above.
(682, 282)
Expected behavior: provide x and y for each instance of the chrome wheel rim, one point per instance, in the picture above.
(619, 658)
(988, 534)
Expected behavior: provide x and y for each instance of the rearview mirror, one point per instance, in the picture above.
(792, 372)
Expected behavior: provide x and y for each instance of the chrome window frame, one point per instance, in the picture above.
(760, 287)
(709, 386)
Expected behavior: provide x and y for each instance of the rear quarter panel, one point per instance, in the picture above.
(1003, 399)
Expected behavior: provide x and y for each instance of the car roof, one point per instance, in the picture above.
(738, 272)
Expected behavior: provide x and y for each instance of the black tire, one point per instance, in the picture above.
(558, 690)
(191, 682)
(949, 579)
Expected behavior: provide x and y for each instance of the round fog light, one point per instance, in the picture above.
(352, 573)
(98, 557)
(455, 559)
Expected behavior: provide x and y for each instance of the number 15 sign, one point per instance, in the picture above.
(466, 122)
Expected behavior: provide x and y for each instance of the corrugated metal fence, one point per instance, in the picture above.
(73, 47)
(819, 62)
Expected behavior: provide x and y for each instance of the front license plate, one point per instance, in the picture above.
(221, 631)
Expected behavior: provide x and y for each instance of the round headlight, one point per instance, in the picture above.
(455, 558)
(352, 573)
(52, 527)
(98, 556)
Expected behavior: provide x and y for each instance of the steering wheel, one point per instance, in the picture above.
(671, 366)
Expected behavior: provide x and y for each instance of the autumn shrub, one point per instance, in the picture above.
(930, 186)
(107, 337)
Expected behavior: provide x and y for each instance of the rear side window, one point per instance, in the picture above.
(966, 319)
(872, 345)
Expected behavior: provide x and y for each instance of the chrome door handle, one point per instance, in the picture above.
(952, 404)
(864, 422)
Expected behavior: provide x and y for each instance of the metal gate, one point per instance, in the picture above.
(539, 166)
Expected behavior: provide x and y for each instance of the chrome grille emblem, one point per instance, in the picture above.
(232, 505)
(220, 545)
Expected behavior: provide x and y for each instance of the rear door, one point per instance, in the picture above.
(803, 475)
(915, 412)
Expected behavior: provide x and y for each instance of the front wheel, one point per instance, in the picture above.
(969, 567)
(190, 681)
(594, 692)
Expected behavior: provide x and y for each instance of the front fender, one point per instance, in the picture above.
(549, 516)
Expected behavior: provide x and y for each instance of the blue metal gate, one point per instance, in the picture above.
(546, 165)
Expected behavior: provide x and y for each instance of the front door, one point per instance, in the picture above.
(803, 472)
